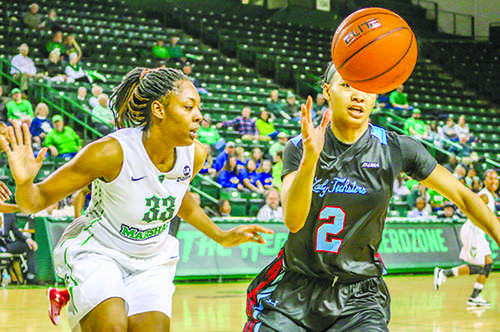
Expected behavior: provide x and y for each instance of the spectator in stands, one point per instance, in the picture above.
(105, 116)
(461, 128)
(71, 46)
(449, 130)
(419, 191)
(58, 210)
(207, 168)
(51, 22)
(241, 156)
(160, 51)
(54, 70)
(452, 163)
(208, 134)
(265, 173)
(265, 126)
(175, 51)
(383, 101)
(23, 68)
(276, 107)
(272, 209)
(464, 150)
(19, 245)
(400, 189)
(415, 126)
(76, 72)
(223, 208)
(82, 98)
(96, 91)
(277, 168)
(292, 108)
(40, 126)
(243, 124)
(435, 134)
(436, 200)
(399, 100)
(62, 141)
(221, 158)
(3, 105)
(229, 177)
(19, 108)
(32, 19)
(56, 42)
(250, 178)
(279, 145)
(420, 209)
(460, 172)
(448, 211)
(320, 106)
(187, 69)
(471, 177)
(257, 156)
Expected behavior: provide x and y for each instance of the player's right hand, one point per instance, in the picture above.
(23, 164)
(313, 138)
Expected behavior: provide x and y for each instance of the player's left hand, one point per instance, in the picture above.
(4, 192)
(242, 234)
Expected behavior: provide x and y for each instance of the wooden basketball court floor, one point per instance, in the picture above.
(219, 307)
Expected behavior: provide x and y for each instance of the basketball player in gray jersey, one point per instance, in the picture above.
(337, 185)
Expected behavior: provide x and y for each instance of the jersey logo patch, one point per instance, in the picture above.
(338, 185)
(137, 179)
(370, 164)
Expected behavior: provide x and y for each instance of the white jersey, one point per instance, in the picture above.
(132, 213)
(491, 199)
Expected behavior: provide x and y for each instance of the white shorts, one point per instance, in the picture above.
(94, 273)
(475, 246)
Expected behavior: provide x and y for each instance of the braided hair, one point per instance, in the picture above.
(329, 72)
(131, 100)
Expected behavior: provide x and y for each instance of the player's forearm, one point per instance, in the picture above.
(193, 214)
(297, 198)
(8, 208)
(29, 198)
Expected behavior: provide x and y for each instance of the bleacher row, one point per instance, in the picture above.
(241, 59)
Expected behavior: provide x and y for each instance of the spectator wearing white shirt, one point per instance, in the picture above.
(103, 113)
(461, 128)
(272, 209)
(23, 68)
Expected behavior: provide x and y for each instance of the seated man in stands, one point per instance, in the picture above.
(104, 114)
(18, 245)
(23, 67)
(62, 141)
(464, 150)
(175, 51)
(54, 70)
(272, 209)
(399, 100)
(56, 42)
(275, 106)
(221, 158)
(461, 128)
(415, 126)
(96, 91)
(32, 19)
(187, 69)
(448, 211)
(18, 108)
(420, 210)
(160, 51)
(449, 130)
(243, 124)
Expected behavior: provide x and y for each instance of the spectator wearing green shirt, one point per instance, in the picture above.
(18, 108)
(208, 134)
(399, 100)
(265, 126)
(415, 126)
(62, 142)
(277, 169)
(159, 51)
(175, 51)
(105, 119)
(279, 145)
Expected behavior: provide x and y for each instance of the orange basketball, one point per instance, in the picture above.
(374, 50)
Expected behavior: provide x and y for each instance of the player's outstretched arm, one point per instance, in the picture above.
(468, 202)
(100, 159)
(296, 190)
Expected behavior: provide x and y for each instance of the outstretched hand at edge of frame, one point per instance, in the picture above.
(17, 145)
(244, 233)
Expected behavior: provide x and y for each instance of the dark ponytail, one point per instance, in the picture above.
(329, 72)
(131, 100)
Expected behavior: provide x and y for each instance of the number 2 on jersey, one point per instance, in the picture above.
(324, 234)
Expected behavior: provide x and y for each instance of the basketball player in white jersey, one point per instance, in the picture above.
(476, 250)
(118, 260)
